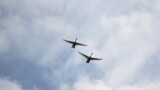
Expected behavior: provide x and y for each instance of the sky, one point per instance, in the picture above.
(124, 33)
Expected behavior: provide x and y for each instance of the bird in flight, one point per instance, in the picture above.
(74, 43)
(89, 58)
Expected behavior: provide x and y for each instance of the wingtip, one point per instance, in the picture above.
(80, 52)
(101, 59)
(63, 39)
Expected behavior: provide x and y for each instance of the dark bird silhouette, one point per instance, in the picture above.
(89, 58)
(74, 43)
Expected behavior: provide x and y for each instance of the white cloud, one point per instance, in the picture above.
(84, 83)
(131, 43)
(142, 86)
(64, 87)
(6, 84)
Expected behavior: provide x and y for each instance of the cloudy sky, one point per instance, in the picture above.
(125, 33)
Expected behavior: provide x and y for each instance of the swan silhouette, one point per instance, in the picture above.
(89, 58)
(74, 43)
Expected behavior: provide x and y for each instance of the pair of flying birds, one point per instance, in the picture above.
(74, 43)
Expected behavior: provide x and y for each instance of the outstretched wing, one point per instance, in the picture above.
(96, 59)
(71, 42)
(84, 55)
(80, 44)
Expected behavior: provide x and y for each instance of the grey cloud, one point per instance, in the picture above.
(7, 84)
(118, 31)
